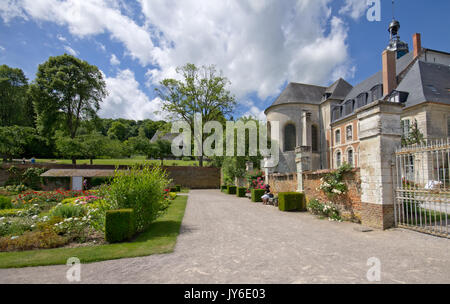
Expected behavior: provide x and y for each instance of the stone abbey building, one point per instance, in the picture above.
(323, 127)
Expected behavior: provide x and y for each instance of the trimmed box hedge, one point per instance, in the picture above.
(231, 190)
(257, 194)
(241, 192)
(223, 188)
(119, 225)
(5, 203)
(178, 187)
(291, 201)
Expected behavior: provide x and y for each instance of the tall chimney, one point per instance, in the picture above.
(389, 72)
(417, 41)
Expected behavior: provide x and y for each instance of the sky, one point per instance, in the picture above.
(259, 45)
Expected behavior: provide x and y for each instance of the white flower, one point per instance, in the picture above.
(36, 205)
(34, 217)
(14, 237)
(33, 226)
(2, 218)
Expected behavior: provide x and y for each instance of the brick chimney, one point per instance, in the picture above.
(389, 72)
(417, 41)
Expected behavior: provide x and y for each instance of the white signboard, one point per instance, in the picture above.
(77, 183)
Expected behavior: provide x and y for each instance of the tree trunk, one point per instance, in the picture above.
(200, 161)
(91, 161)
(162, 161)
(74, 161)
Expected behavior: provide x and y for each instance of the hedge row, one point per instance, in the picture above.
(120, 225)
(291, 201)
(241, 192)
(257, 194)
(231, 190)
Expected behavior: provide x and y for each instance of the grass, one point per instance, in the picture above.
(160, 238)
(124, 162)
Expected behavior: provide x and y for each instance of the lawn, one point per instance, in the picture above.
(124, 162)
(160, 238)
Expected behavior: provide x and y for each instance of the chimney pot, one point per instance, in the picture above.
(417, 41)
(389, 72)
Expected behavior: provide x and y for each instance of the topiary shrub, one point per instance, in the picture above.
(5, 203)
(291, 201)
(178, 187)
(223, 188)
(119, 225)
(257, 194)
(241, 192)
(231, 190)
(173, 189)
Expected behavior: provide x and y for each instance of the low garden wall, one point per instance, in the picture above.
(189, 177)
(349, 204)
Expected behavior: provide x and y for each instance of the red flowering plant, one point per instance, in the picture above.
(35, 197)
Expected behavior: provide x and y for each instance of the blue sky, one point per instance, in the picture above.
(260, 45)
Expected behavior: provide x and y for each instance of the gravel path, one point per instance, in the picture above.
(225, 239)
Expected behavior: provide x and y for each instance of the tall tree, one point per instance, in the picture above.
(13, 141)
(202, 91)
(15, 108)
(68, 85)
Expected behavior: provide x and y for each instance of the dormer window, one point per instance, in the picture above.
(362, 99)
(348, 107)
(377, 92)
(336, 114)
(398, 97)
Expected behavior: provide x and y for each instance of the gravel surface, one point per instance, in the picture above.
(225, 239)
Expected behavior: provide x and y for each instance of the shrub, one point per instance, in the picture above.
(15, 226)
(223, 188)
(32, 240)
(324, 210)
(257, 194)
(173, 189)
(231, 190)
(140, 189)
(241, 192)
(5, 203)
(291, 201)
(178, 187)
(68, 211)
(119, 225)
(172, 195)
(10, 212)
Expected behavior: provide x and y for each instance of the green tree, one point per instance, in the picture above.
(67, 147)
(118, 131)
(15, 106)
(93, 145)
(67, 85)
(414, 136)
(13, 141)
(201, 91)
(160, 150)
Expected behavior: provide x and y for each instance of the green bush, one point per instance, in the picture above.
(257, 194)
(231, 190)
(119, 225)
(223, 188)
(178, 188)
(5, 203)
(291, 201)
(140, 189)
(68, 211)
(33, 240)
(241, 192)
(10, 212)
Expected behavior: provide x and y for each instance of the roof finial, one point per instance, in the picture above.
(393, 10)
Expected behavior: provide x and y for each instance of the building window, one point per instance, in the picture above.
(361, 100)
(349, 133)
(337, 138)
(314, 139)
(348, 107)
(377, 92)
(406, 127)
(337, 113)
(448, 126)
(338, 159)
(290, 138)
(350, 157)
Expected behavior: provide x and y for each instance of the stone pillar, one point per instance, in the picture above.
(380, 135)
(306, 129)
(303, 161)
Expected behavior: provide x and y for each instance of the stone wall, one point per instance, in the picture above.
(349, 204)
(190, 177)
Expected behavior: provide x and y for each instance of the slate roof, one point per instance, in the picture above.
(339, 89)
(300, 93)
(426, 82)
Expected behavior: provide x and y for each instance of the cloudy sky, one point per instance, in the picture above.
(260, 45)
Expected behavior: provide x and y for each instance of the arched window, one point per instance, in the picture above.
(350, 158)
(290, 138)
(338, 159)
(314, 138)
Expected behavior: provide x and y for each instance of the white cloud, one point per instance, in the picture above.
(87, 18)
(354, 8)
(2, 49)
(114, 60)
(258, 44)
(70, 50)
(10, 10)
(126, 100)
(61, 38)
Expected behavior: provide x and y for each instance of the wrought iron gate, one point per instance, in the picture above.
(422, 187)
